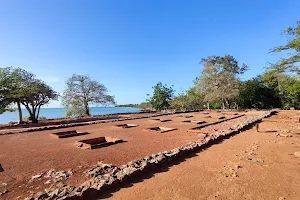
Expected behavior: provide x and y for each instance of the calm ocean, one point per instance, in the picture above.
(60, 112)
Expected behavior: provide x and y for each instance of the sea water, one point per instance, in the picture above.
(50, 113)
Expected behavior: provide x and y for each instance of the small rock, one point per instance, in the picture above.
(297, 153)
(3, 184)
(256, 160)
(4, 192)
(251, 153)
(238, 166)
(281, 198)
(47, 182)
(36, 176)
(282, 135)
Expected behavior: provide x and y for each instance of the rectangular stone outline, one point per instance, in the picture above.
(67, 134)
(93, 144)
(126, 125)
(161, 129)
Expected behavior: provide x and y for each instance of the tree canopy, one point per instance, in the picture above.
(19, 86)
(162, 95)
(36, 95)
(219, 81)
(80, 92)
(292, 63)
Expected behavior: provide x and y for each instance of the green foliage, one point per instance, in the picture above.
(216, 105)
(19, 86)
(80, 92)
(293, 47)
(219, 80)
(42, 118)
(5, 106)
(36, 95)
(27, 119)
(179, 103)
(162, 96)
(191, 100)
(128, 106)
(12, 81)
(145, 106)
(253, 94)
(73, 107)
(279, 83)
(293, 93)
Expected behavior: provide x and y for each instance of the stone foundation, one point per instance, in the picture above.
(116, 175)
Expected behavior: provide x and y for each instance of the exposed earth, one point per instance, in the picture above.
(249, 165)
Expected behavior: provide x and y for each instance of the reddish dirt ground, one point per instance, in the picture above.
(251, 165)
(24, 155)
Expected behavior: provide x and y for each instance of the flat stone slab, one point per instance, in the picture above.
(66, 134)
(98, 142)
(194, 121)
(161, 129)
(163, 120)
(126, 125)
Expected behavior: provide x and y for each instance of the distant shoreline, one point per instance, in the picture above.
(56, 113)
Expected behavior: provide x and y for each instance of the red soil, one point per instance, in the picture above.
(251, 165)
(24, 155)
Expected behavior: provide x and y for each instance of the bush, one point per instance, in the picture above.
(27, 119)
(42, 118)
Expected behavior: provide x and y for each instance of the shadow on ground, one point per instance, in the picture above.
(108, 192)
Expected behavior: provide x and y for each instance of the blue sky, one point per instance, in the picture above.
(130, 45)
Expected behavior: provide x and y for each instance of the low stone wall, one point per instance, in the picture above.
(214, 123)
(116, 175)
(51, 127)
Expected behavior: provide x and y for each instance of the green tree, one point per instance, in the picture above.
(253, 94)
(179, 103)
(293, 48)
(189, 100)
(162, 96)
(36, 95)
(21, 87)
(13, 82)
(293, 92)
(279, 83)
(145, 106)
(219, 81)
(82, 91)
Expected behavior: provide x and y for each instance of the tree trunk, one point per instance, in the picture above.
(33, 116)
(20, 121)
(38, 112)
(227, 104)
(207, 106)
(29, 111)
(223, 105)
(87, 110)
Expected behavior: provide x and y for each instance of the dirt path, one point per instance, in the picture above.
(249, 165)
